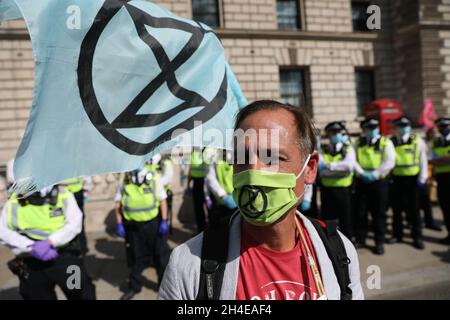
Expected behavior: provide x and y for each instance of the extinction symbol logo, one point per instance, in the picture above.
(129, 118)
(251, 194)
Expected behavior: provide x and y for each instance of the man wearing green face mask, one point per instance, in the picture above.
(268, 250)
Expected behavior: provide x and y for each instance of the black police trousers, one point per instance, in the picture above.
(170, 205)
(371, 197)
(198, 195)
(142, 241)
(425, 206)
(337, 205)
(443, 190)
(67, 271)
(405, 198)
(79, 197)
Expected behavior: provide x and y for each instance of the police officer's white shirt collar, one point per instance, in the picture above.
(405, 137)
(338, 146)
(375, 139)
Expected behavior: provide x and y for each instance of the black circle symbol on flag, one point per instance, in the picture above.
(129, 118)
(251, 194)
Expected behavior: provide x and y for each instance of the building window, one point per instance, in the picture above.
(294, 87)
(206, 11)
(288, 14)
(359, 15)
(365, 89)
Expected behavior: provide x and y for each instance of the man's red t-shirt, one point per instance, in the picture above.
(269, 275)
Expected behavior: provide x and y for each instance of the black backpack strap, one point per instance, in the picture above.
(336, 252)
(214, 258)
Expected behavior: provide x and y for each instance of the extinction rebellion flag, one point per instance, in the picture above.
(115, 82)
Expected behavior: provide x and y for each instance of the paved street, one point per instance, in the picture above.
(406, 273)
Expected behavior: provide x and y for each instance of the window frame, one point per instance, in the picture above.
(300, 16)
(374, 91)
(365, 3)
(220, 21)
(307, 97)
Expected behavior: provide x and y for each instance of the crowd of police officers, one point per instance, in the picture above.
(376, 172)
(45, 230)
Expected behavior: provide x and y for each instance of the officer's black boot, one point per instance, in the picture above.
(418, 244)
(433, 226)
(379, 249)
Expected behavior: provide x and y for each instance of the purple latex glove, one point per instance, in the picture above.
(164, 227)
(43, 250)
(208, 202)
(51, 254)
(120, 230)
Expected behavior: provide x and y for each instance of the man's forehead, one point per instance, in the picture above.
(266, 124)
(273, 138)
(269, 119)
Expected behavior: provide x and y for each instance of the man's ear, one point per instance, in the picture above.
(311, 168)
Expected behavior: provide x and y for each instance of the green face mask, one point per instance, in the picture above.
(263, 197)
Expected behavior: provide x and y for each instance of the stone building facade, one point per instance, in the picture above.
(336, 66)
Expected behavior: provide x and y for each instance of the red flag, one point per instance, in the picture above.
(428, 115)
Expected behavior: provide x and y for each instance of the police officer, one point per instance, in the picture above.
(197, 173)
(219, 181)
(163, 166)
(141, 216)
(80, 187)
(424, 194)
(337, 161)
(375, 156)
(42, 231)
(440, 159)
(410, 173)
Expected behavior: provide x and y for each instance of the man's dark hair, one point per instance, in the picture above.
(305, 126)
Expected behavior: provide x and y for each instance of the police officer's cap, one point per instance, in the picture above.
(443, 122)
(369, 123)
(402, 122)
(335, 126)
